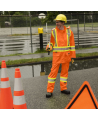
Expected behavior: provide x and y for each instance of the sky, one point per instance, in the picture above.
(51, 5)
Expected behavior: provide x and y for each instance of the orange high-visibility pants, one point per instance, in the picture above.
(63, 77)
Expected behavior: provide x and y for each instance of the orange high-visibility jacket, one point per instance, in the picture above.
(63, 45)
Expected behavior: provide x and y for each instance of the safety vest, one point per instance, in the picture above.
(64, 48)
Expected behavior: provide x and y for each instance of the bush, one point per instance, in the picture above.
(18, 21)
(25, 21)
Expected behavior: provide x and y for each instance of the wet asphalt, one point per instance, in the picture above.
(35, 89)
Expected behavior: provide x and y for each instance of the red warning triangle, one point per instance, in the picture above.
(83, 99)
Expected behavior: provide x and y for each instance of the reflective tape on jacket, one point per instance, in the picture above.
(68, 36)
(51, 80)
(54, 33)
(61, 49)
(63, 79)
(72, 48)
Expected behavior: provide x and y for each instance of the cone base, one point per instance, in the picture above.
(6, 100)
(23, 106)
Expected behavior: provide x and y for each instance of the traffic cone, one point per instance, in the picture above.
(0, 97)
(6, 100)
(19, 98)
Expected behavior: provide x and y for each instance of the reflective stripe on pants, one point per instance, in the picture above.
(63, 76)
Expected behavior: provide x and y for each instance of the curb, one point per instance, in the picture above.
(42, 62)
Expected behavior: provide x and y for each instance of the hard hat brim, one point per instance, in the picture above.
(60, 20)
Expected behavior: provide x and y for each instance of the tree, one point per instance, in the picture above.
(37, 12)
(15, 12)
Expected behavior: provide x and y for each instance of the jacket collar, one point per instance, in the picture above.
(60, 30)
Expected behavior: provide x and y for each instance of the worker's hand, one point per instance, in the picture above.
(72, 61)
(48, 49)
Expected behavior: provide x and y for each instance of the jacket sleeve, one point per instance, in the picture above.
(72, 46)
(52, 42)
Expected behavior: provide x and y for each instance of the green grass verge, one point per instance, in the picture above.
(40, 51)
(26, 34)
(22, 61)
(86, 54)
(87, 47)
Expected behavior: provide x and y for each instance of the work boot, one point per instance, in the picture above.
(65, 91)
(48, 95)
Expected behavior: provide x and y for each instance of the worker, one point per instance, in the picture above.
(63, 46)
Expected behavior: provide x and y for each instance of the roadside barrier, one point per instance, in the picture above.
(6, 100)
(40, 31)
(19, 98)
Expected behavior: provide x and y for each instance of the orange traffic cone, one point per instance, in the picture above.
(6, 100)
(19, 98)
(0, 97)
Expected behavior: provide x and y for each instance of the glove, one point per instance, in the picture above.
(72, 61)
(48, 49)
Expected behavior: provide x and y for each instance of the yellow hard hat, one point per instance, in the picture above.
(61, 17)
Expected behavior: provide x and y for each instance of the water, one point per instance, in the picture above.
(34, 71)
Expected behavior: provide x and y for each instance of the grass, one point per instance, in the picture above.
(86, 54)
(87, 48)
(40, 51)
(23, 61)
(26, 34)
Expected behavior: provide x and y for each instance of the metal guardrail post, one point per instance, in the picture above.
(31, 43)
(71, 18)
(40, 31)
(10, 23)
(31, 35)
(92, 22)
(84, 21)
(42, 70)
(78, 31)
(27, 25)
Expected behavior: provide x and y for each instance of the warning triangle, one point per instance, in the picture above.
(83, 99)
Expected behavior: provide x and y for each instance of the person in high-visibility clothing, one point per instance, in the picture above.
(63, 46)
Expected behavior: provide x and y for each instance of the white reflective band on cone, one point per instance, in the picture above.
(18, 85)
(5, 84)
(3, 73)
(19, 100)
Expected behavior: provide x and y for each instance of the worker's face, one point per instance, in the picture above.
(59, 24)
